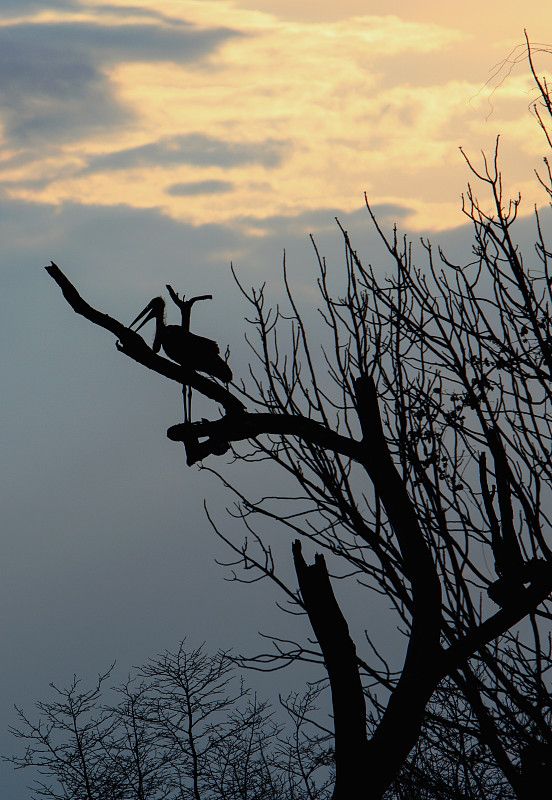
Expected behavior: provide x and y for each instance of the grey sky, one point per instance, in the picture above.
(107, 552)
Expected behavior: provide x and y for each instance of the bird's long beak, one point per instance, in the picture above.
(151, 315)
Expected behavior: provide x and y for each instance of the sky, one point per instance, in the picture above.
(145, 143)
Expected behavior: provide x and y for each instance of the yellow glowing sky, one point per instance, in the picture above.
(353, 96)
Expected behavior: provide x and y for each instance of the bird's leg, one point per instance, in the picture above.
(185, 401)
(189, 409)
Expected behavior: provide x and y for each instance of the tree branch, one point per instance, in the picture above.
(132, 345)
(339, 651)
(249, 425)
(528, 600)
(400, 725)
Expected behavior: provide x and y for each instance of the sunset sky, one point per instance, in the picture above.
(220, 111)
(146, 143)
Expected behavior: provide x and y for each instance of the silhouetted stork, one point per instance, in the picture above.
(192, 351)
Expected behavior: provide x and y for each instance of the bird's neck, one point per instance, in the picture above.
(156, 346)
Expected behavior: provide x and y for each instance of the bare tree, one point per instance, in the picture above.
(183, 727)
(419, 439)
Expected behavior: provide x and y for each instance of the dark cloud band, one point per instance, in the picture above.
(199, 187)
(52, 82)
(193, 148)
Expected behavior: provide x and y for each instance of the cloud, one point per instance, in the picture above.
(193, 148)
(199, 187)
(49, 92)
(137, 11)
(12, 8)
(116, 43)
(52, 82)
(373, 104)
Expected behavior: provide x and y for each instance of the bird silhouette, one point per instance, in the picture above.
(188, 349)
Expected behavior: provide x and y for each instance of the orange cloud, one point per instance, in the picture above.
(288, 115)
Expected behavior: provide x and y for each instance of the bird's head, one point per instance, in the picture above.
(154, 310)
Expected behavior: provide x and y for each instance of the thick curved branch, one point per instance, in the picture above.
(528, 599)
(251, 425)
(131, 344)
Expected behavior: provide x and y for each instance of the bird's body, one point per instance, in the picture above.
(191, 351)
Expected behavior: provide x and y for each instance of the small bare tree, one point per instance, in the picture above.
(183, 728)
(420, 444)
